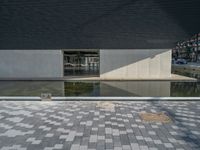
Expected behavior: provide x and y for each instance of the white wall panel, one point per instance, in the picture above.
(31, 63)
(135, 64)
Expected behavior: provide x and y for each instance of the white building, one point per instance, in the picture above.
(112, 39)
(108, 64)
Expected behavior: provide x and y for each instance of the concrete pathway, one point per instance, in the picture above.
(98, 125)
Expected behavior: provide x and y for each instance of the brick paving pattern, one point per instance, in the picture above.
(88, 126)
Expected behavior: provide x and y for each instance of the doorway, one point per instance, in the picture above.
(81, 62)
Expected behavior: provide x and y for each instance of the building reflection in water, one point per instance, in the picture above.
(31, 88)
(100, 88)
(135, 88)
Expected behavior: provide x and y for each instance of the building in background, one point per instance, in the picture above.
(188, 49)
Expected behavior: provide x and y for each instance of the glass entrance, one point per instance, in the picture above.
(81, 63)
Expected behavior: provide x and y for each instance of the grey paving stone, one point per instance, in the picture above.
(109, 145)
(82, 125)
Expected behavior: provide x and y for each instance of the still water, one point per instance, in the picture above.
(100, 88)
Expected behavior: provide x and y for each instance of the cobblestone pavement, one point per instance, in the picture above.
(98, 125)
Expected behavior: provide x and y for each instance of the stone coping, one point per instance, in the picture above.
(174, 77)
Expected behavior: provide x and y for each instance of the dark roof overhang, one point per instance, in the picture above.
(121, 24)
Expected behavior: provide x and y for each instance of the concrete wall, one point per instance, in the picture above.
(114, 64)
(135, 64)
(31, 63)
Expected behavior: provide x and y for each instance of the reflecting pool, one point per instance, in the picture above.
(100, 88)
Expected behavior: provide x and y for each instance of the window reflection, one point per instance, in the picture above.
(78, 63)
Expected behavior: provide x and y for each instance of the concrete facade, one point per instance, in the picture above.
(31, 63)
(114, 64)
(135, 64)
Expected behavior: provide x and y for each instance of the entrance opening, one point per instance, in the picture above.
(81, 62)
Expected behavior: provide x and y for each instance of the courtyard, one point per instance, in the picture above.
(82, 125)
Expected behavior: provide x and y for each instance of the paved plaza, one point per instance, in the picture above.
(83, 125)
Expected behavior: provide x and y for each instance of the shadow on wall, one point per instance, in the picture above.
(31, 63)
(135, 63)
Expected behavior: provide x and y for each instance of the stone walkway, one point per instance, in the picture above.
(98, 125)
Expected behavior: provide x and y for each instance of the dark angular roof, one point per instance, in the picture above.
(62, 24)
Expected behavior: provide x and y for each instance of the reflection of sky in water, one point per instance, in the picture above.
(99, 88)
